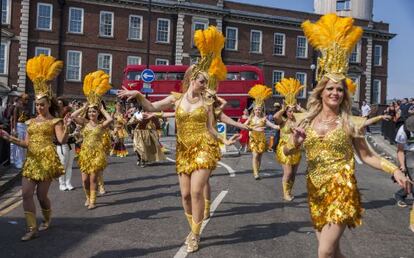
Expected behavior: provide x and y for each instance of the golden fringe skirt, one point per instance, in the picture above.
(257, 142)
(292, 159)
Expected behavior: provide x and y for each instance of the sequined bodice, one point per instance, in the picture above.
(193, 122)
(285, 131)
(92, 136)
(41, 133)
(328, 155)
(257, 122)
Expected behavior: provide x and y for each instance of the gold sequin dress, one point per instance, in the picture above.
(257, 139)
(196, 147)
(332, 188)
(92, 156)
(42, 161)
(292, 159)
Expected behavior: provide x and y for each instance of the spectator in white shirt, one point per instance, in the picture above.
(365, 112)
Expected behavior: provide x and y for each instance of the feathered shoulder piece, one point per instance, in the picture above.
(41, 70)
(335, 37)
(289, 88)
(260, 93)
(95, 85)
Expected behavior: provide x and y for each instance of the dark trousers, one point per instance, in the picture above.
(401, 194)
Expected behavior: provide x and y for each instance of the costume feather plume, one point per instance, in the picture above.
(217, 69)
(43, 67)
(351, 86)
(260, 92)
(209, 41)
(289, 88)
(95, 85)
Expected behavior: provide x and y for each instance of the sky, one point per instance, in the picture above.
(399, 15)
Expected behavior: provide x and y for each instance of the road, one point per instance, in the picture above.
(141, 215)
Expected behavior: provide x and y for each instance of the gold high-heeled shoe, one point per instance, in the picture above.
(31, 226)
(193, 244)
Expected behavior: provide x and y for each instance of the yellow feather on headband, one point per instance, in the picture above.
(351, 86)
(289, 88)
(260, 93)
(95, 85)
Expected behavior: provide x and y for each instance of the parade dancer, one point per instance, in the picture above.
(119, 133)
(330, 136)
(92, 156)
(258, 122)
(289, 89)
(197, 139)
(42, 163)
(244, 134)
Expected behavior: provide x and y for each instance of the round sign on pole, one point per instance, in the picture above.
(221, 129)
(148, 75)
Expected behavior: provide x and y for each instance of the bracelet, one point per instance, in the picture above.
(387, 166)
(377, 119)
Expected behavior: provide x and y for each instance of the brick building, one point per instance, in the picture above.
(93, 34)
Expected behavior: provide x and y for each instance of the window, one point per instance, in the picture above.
(5, 11)
(277, 77)
(3, 58)
(44, 16)
(343, 5)
(378, 55)
(75, 20)
(73, 65)
(105, 63)
(161, 61)
(135, 27)
(279, 44)
(133, 60)
(255, 41)
(376, 92)
(355, 56)
(42, 50)
(301, 47)
(232, 35)
(106, 24)
(163, 30)
(302, 78)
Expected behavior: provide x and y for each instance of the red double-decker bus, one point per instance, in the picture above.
(240, 78)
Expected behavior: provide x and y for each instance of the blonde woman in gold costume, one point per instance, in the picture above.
(257, 122)
(42, 163)
(330, 135)
(92, 156)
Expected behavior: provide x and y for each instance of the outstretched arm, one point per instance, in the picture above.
(77, 115)
(278, 116)
(272, 125)
(161, 105)
(22, 143)
(227, 120)
(376, 119)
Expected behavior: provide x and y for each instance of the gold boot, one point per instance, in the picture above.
(101, 185)
(87, 194)
(256, 170)
(92, 200)
(47, 218)
(31, 226)
(190, 222)
(194, 243)
(286, 191)
(207, 204)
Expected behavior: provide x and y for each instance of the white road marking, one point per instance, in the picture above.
(229, 169)
(357, 159)
(182, 252)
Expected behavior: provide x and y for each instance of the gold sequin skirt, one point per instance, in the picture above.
(197, 153)
(42, 164)
(337, 201)
(292, 159)
(92, 160)
(257, 142)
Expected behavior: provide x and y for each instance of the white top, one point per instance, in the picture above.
(402, 138)
(365, 109)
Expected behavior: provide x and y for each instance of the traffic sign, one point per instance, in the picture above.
(221, 128)
(147, 90)
(148, 75)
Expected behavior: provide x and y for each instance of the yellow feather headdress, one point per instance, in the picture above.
(210, 42)
(41, 70)
(260, 93)
(335, 37)
(95, 85)
(351, 86)
(289, 88)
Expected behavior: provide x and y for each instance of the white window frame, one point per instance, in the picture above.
(357, 49)
(379, 90)
(304, 84)
(169, 31)
(82, 20)
(140, 27)
(8, 12)
(135, 57)
(380, 55)
(110, 64)
(100, 24)
(297, 47)
(346, 8)
(6, 57)
(80, 66)
(45, 49)
(166, 61)
(236, 45)
(260, 43)
(274, 82)
(283, 45)
(51, 17)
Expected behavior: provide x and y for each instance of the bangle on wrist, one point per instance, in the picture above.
(388, 166)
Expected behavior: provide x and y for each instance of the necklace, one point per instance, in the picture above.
(191, 101)
(328, 121)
